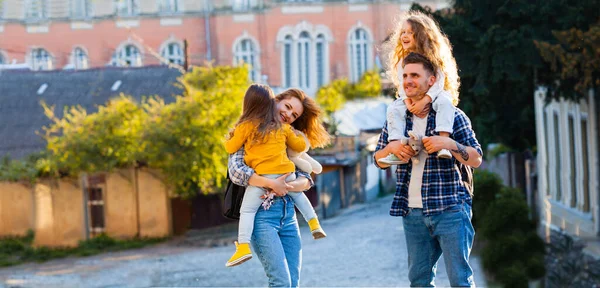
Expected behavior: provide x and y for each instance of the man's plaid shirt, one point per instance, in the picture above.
(442, 181)
(240, 173)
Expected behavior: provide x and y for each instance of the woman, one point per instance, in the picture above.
(276, 236)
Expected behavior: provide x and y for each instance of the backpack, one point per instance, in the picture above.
(232, 200)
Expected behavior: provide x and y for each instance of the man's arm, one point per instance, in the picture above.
(384, 148)
(464, 147)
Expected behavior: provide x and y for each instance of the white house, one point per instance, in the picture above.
(568, 167)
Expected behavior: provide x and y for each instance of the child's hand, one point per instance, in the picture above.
(419, 105)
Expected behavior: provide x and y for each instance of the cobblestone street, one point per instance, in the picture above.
(365, 247)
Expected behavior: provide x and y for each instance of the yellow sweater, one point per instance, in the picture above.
(268, 156)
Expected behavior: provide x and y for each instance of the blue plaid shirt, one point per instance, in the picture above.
(442, 181)
(240, 173)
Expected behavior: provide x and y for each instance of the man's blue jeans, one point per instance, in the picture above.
(450, 232)
(276, 242)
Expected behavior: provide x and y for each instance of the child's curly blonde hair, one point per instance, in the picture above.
(430, 42)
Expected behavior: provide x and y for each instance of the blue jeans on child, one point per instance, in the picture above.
(450, 232)
(276, 242)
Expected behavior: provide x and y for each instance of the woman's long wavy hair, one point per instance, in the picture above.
(430, 42)
(259, 108)
(310, 121)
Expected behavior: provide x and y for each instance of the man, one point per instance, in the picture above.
(431, 195)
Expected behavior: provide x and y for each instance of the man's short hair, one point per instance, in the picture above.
(416, 58)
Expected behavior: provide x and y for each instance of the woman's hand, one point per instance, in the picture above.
(279, 186)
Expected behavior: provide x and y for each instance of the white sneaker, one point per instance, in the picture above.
(444, 154)
(391, 159)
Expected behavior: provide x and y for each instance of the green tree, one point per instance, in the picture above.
(575, 59)
(184, 139)
(493, 43)
(98, 142)
(368, 86)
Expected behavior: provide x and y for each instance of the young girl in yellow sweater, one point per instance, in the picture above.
(265, 140)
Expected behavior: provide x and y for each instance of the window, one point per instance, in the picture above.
(586, 165)
(303, 54)
(95, 205)
(169, 6)
(173, 53)
(35, 9)
(557, 160)
(81, 8)
(360, 53)
(246, 52)
(79, 59)
(40, 59)
(243, 5)
(322, 56)
(126, 7)
(573, 157)
(127, 56)
(287, 60)
(2, 60)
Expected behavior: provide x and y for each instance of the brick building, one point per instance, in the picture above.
(287, 43)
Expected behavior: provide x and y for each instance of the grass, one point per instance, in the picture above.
(19, 250)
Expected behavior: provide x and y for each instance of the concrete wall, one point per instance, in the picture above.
(59, 213)
(155, 205)
(120, 204)
(16, 209)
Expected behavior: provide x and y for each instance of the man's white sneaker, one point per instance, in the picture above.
(444, 154)
(391, 159)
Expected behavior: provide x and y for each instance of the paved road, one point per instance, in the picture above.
(365, 247)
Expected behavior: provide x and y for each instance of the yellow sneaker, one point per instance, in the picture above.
(241, 255)
(315, 229)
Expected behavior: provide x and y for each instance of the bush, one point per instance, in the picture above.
(513, 251)
(368, 86)
(487, 186)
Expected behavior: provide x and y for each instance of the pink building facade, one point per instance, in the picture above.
(302, 44)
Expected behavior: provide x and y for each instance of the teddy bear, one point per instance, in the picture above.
(302, 160)
(415, 142)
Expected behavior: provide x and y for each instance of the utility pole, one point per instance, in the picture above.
(186, 54)
(207, 30)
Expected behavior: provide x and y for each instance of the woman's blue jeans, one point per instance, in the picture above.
(276, 242)
(450, 232)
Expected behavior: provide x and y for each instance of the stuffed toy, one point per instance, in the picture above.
(416, 143)
(302, 160)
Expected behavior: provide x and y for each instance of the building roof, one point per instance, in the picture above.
(21, 114)
(362, 115)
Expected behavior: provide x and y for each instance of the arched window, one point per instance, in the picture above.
(173, 53)
(245, 51)
(304, 56)
(128, 56)
(304, 60)
(287, 61)
(359, 49)
(40, 59)
(322, 56)
(79, 59)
